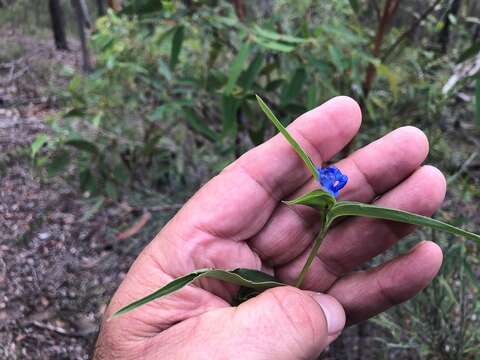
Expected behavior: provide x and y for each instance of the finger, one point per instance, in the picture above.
(208, 230)
(245, 194)
(359, 239)
(367, 293)
(372, 170)
(234, 205)
(281, 323)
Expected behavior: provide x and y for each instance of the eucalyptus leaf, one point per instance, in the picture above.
(274, 45)
(296, 146)
(83, 145)
(355, 6)
(272, 35)
(229, 111)
(198, 125)
(58, 163)
(236, 68)
(318, 199)
(75, 112)
(40, 140)
(248, 278)
(385, 71)
(472, 51)
(248, 78)
(348, 208)
(177, 42)
(292, 89)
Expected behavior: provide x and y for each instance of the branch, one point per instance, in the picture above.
(407, 32)
(388, 12)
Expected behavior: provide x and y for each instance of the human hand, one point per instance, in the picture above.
(237, 220)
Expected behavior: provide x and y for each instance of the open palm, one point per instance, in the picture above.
(238, 220)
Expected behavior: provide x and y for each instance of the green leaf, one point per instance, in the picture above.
(83, 145)
(75, 112)
(248, 78)
(229, 112)
(312, 97)
(142, 7)
(40, 140)
(296, 146)
(87, 181)
(164, 70)
(274, 85)
(244, 277)
(236, 68)
(294, 86)
(318, 199)
(198, 125)
(336, 57)
(470, 52)
(354, 5)
(177, 42)
(274, 45)
(58, 163)
(348, 208)
(384, 71)
(272, 35)
(111, 190)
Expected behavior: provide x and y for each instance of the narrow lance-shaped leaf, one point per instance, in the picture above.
(236, 68)
(470, 52)
(244, 277)
(318, 199)
(177, 42)
(37, 144)
(83, 145)
(271, 35)
(250, 75)
(296, 146)
(229, 112)
(294, 86)
(198, 125)
(274, 45)
(348, 208)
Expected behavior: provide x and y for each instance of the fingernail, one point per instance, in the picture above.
(416, 246)
(333, 311)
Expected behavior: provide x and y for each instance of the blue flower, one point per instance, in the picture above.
(331, 179)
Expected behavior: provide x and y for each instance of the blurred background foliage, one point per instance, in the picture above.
(173, 88)
(169, 102)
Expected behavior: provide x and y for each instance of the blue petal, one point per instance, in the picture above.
(331, 179)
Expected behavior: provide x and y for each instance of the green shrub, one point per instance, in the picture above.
(172, 98)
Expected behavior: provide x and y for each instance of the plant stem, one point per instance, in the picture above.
(311, 256)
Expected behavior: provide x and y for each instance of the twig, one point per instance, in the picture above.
(463, 168)
(165, 207)
(407, 32)
(388, 12)
(13, 76)
(60, 330)
(136, 227)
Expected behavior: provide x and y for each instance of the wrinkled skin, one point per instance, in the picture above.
(237, 220)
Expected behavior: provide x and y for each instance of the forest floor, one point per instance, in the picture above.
(60, 259)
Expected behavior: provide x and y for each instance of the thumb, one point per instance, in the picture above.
(288, 323)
